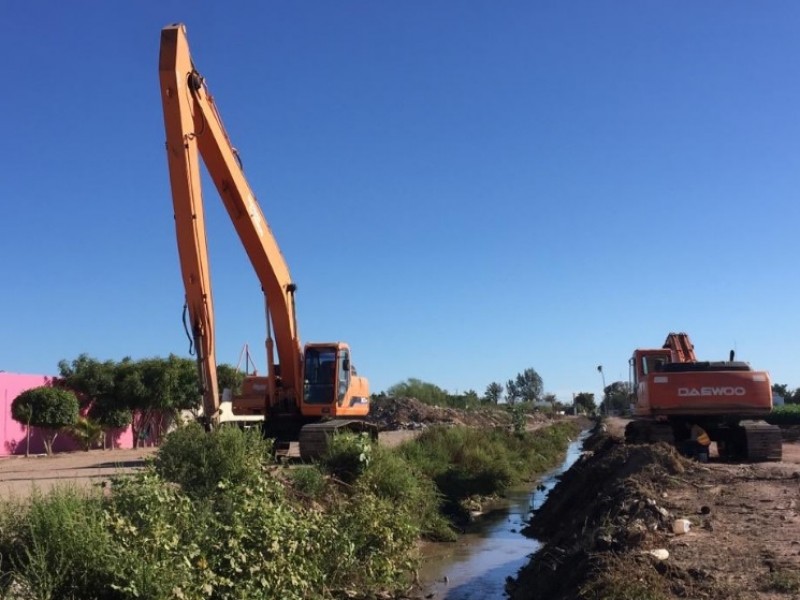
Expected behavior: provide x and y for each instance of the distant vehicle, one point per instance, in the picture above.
(311, 391)
(728, 399)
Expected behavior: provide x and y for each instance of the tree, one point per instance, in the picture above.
(512, 393)
(108, 414)
(50, 409)
(420, 390)
(584, 402)
(493, 393)
(95, 382)
(470, 398)
(789, 396)
(230, 378)
(616, 397)
(529, 385)
(88, 377)
(552, 400)
(155, 390)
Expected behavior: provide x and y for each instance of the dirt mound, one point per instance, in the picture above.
(409, 413)
(608, 528)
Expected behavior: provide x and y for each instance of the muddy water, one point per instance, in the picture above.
(477, 565)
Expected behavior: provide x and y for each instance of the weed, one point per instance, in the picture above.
(618, 581)
(414, 496)
(308, 480)
(783, 581)
(466, 462)
(60, 548)
(348, 455)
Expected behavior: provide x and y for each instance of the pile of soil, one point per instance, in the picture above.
(607, 528)
(391, 414)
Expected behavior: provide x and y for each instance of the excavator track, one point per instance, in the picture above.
(763, 441)
(314, 437)
(649, 432)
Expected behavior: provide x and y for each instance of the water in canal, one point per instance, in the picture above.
(477, 565)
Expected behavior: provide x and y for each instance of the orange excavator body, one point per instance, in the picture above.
(674, 391)
(671, 381)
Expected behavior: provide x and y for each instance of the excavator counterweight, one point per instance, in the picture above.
(674, 391)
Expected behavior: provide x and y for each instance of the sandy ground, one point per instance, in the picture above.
(19, 475)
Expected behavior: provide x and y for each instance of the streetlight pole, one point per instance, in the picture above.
(603, 376)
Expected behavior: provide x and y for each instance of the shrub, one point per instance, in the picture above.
(199, 460)
(466, 462)
(414, 496)
(348, 455)
(61, 548)
(159, 532)
(788, 414)
(86, 432)
(308, 480)
(372, 546)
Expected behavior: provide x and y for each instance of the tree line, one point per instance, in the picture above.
(525, 387)
(789, 396)
(147, 394)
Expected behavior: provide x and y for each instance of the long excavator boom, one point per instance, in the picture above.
(193, 125)
(681, 347)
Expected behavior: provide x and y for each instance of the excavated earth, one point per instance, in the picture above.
(392, 414)
(607, 528)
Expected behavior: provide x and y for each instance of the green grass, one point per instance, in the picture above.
(309, 480)
(466, 462)
(783, 581)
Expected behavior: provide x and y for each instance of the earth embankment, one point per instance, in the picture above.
(609, 527)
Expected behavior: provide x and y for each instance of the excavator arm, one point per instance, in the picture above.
(681, 347)
(193, 126)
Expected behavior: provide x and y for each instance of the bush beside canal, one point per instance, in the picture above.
(213, 517)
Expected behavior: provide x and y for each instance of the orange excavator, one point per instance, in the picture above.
(728, 399)
(310, 391)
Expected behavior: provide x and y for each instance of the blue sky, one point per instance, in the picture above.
(462, 190)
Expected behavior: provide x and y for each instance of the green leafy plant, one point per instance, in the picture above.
(348, 455)
(308, 480)
(200, 460)
(86, 432)
(50, 409)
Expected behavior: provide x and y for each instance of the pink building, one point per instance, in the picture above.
(13, 436)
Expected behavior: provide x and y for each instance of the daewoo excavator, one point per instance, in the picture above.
(311, 391)
(728, 399)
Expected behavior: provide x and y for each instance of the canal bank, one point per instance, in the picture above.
(492, 548)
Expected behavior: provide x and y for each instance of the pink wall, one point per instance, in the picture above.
(13, 435)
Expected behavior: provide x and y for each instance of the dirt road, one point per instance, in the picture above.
(19, 475)
(620, 504)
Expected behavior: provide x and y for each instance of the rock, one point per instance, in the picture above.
(659, 553)
(681, 526)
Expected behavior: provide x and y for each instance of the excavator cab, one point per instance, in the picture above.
(647, 362)
(319, 381)
(330, 385)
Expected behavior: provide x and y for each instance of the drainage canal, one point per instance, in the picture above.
(492, 549)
